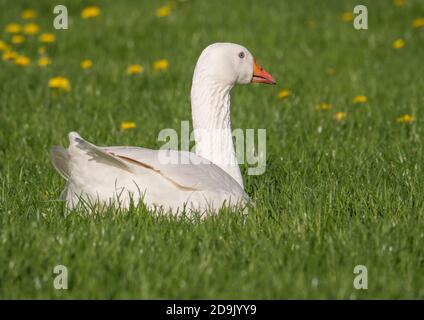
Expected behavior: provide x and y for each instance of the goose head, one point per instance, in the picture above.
(230, 64)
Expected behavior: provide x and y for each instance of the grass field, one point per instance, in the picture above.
(335, 194)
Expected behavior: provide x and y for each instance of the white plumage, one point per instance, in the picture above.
(202, 182)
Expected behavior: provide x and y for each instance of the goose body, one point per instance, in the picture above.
(123, 174)
(203, 181)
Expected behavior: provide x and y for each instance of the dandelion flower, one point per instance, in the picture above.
(90, 12)
(360, 99)
(60, 83)
(418, 23)
(159, 65)
(340, 116)
(283, 94)
(31, 28)
(323, 107)
(47, 37)
(86, 64)
(135, 68)
(164, 11)
(127, 125)
(399, 3)
(44, 61)
(17, 39)
(347, 16)
(28, 14)
(4, 46)
(398, 44)
(9, 55)
(22, 61)
(13, 28)
(406, 118)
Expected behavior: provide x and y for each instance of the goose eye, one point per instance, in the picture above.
(241, 55)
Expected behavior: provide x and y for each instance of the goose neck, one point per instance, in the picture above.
(212, 124)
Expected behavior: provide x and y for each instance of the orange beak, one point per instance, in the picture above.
(260, 75)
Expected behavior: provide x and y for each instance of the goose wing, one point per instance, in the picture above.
(183, 167)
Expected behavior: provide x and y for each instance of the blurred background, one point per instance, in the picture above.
(344, 125)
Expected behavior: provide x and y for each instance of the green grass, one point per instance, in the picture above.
(334, 195)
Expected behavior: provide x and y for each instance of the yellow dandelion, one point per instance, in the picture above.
(418, 23)
(59, 83)
(13, 28)
(161, 64)
(4, 46)
(398, 44)
(86, 64)
(28, 14)
(17, 39)
(31, 28)
(399, 3)
(406, 118)
(360, 99)
(340, 116)
(163, 11)
(135, 68)
(22, 61)
(90, 12)
(47, 37)
(127, 125)
(41, 50)
(347, 16)
(44, 61)
(9, 55)
(323, 107)
(283, 94)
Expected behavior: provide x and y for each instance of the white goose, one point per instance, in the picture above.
(204, 181)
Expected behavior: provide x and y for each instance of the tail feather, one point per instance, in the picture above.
(96, 153)
(60, 159)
